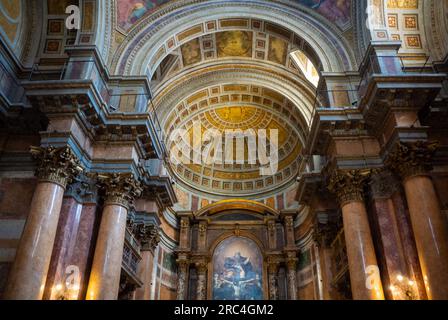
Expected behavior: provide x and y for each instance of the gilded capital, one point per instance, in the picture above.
(184, 223)
(202, 229)
(289, 222)
(291, 263)
(120, 188)
(202, 267)
(148, 235)
(412, 158)
(183, 264)
(273, 265)
(56, 165)
(348, 186)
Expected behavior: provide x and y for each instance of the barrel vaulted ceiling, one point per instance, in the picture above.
(231, 73)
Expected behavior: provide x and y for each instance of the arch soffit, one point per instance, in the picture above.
(300, 93)
(145, 40)
(237, 204)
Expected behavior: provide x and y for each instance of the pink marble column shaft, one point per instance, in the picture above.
(363, 266)
(145, 274)
(67, 228)
(29, 271)
(431, 234)
(106, 269)
(408, 241)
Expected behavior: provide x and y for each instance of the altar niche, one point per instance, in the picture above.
(237, 268)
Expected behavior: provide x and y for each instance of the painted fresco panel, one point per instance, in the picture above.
(237, 270)
(337, 11)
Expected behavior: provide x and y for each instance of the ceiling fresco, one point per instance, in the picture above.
(256, 40)
(337, 11)
(10, 17)
(131, 12)
(237, 107)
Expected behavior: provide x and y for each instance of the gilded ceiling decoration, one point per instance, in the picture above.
(10, 16)
(130, 12)
(253, 40)
(236, 107)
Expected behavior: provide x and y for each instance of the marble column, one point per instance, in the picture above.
(201, 290)
(145, 274)
(72, 248)
(273, 267)
(324, 234)
(363, 266)
(291, 269)
(394, 235)
(412, 162)
(65, 239)
(149, 237)
(55, 168)
(120, 192)
(182, 280)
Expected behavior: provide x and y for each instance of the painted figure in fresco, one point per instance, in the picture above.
(221, 288)
(239, 281)
(313, 4)
(139, 10)
(237, 276)
(253, 288)
(241, 265)
(337, 11)
(132, 11)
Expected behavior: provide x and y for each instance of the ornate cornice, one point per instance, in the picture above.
(348, 186)
(120, 188)
(56, 165)
(412, 158)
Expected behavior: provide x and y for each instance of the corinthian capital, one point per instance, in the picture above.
(383, 184)
(56, 165)
(348, 186)
(148, 235)
(120, 188)
(412, 158)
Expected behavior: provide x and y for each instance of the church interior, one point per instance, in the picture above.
(100, 100)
